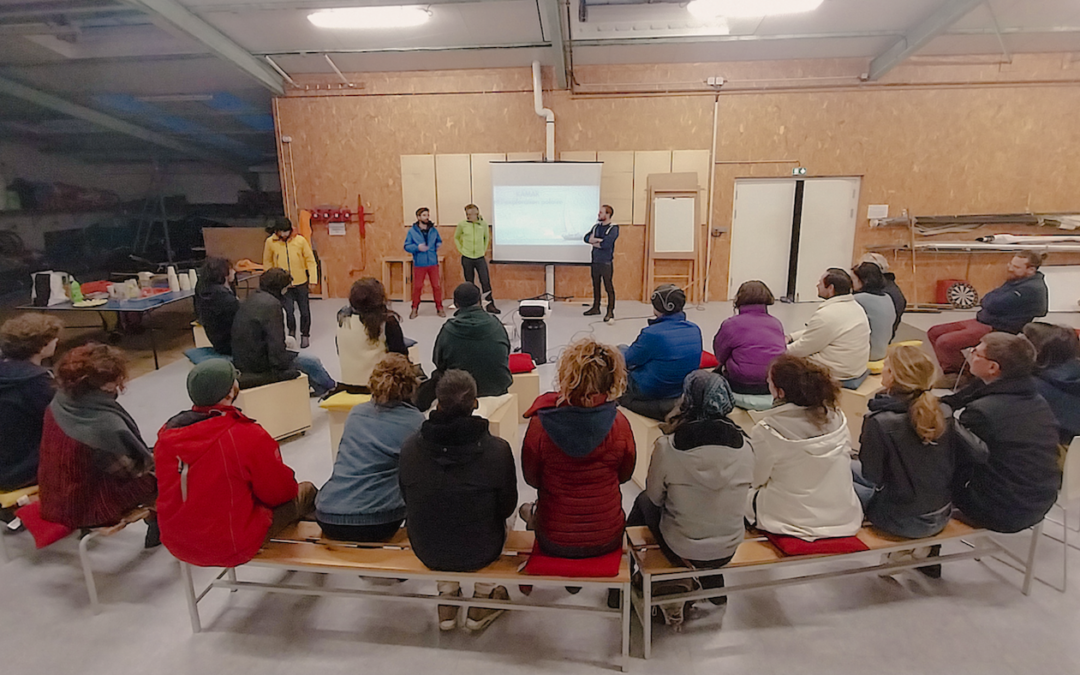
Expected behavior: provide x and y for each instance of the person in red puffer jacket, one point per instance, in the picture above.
(577, 451)
(222, 487)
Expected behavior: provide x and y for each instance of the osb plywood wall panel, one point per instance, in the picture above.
(453, 187)
(929, 149)
(525, 156)
(645, 163)
(417, 186)
(481, 181)
(617, 184)
(693, 161)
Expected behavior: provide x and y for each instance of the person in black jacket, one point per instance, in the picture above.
(216, 303)
(1007, 308)
(258, 340)
(1057, 375)
(1020, 481)
(26, 389)
(602, 238)
(891, 289)
(460, 486)
(909, 450)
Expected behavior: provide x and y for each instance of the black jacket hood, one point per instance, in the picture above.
(452, 439)
(13, 372)
(720, 431)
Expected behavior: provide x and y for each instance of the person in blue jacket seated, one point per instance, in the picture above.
(423, 241)
(602, 238)
(664, 353)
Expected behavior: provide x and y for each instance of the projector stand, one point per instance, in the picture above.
(549, 282)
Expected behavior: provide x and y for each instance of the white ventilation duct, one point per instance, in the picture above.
(546, 113)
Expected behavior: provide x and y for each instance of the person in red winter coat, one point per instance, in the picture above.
(222, 487)
(577, 451)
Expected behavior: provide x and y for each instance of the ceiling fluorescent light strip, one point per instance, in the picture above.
(710, 9)
(354, 18)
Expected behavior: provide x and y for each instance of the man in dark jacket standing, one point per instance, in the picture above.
(476, 342)
(460, 487)
(1020, 481)
(1007, 308)
(258, 340)
(602, 239)
(26, 389)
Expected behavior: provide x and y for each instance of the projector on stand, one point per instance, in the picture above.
(533, 328)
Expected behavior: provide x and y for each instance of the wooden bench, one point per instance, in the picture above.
(282, 408)
(302, 548)
(756, 553)
(646, 431)
(9, 500)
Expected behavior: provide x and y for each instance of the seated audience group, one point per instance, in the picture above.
(988, 454)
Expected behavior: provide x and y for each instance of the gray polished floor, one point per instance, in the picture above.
(973, 620)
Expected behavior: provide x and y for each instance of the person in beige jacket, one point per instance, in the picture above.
(838, 334)
(288, 250)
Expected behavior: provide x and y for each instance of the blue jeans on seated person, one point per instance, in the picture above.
(634, 401)
(855, 382)
(199, 354)
(318, 378)
(864, 489)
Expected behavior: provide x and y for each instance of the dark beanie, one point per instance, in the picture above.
(668, 299)
(210, 381)
(466, 295)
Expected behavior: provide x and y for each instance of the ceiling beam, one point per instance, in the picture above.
(552, 25)
(948, 13)
(175, 15)
(51, 102)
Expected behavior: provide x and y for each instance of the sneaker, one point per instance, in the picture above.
(305, 342)
(441, 312)
(895, 557)
(448, 614)
(673, 615)
(592, 311)
(480, 618)
(527, 512)
(610, 316)
(414, 313)
(673, 612)
(492, 309)
(153, 534)
(931, 571)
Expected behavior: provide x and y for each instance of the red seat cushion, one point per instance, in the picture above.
(544, 565)
(43, 531)
(826, 546)
(521, 363)
(708, 361)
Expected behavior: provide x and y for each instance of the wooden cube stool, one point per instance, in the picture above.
(646, 431)
(282, 408)
(199, 334)
(527, 388)
(854, 404)
(337, 408)
(501, 412)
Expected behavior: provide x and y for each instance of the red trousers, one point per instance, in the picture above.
(949, 339)
(432, 273)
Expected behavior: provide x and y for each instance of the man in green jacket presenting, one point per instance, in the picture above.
(471, 238)
(475, 342)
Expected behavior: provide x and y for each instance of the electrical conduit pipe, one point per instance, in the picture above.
(546, 113)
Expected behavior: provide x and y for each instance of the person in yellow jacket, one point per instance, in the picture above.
(471, 238)
(292, 253)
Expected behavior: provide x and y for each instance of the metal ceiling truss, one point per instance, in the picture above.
(948, 13)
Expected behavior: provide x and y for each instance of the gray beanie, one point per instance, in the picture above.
(210, 381)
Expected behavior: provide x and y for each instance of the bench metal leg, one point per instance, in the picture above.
(646, 621)
(88, 573)
(1029, 568)
(625, 605)
(189, 595)
(231, 575)
(3, 547)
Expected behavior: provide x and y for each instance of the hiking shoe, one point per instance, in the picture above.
(614, 598)
(414, 313)
(480, 618)
(448, 614)
(492, 309)
(592, 311)
(441, 312)
(153, 534)
(305, 342)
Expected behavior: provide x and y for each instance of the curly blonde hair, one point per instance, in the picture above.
(588, 367)
(393, 380)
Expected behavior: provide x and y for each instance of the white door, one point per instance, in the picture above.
(761, 234)
(827, 234)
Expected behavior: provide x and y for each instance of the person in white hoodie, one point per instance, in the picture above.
(802, 485)
(698, 477)
(838, 334)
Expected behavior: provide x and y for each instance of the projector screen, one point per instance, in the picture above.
(542, 210)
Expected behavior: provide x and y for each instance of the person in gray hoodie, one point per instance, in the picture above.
(698, 478)
(362, 500)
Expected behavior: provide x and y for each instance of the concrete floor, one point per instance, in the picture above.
(973, 620)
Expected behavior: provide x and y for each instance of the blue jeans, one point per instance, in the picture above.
(864, 489)
(318, 378)
(855, 382)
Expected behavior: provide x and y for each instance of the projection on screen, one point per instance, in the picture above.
(542, 211)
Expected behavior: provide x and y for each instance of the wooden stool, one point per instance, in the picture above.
(199, 334)
(646, 431)
(853, 404)
(527, 388)
(282, 408)
(501, 412)
(338, 408)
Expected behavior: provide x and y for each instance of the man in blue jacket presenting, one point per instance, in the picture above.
(423, 243)
(602, 239)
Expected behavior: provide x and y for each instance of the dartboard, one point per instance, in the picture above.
(962, 295)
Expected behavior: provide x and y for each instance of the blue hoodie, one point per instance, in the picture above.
(416, 237)
(664, 353)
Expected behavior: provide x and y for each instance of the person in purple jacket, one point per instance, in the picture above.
(747, 342)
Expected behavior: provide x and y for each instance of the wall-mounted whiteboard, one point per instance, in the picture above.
(673, 225)
(1063, 283)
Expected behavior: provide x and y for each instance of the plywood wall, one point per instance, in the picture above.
(933, 140)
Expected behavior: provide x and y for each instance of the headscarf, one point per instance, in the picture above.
(706, 395)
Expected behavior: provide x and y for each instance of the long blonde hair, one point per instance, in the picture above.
(913, 375)
(586, 368)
